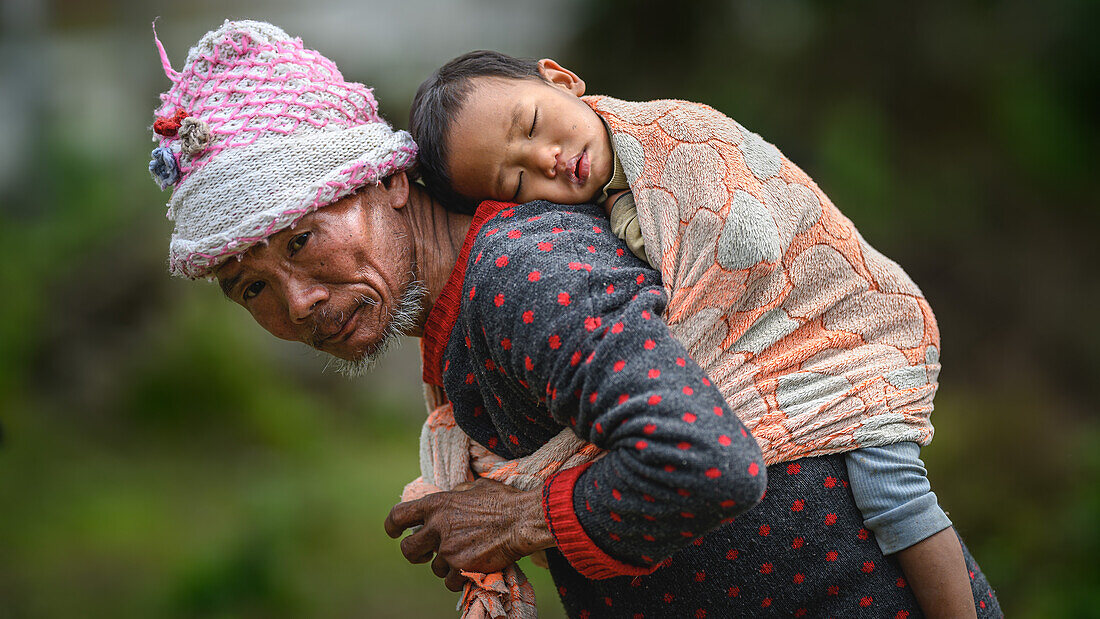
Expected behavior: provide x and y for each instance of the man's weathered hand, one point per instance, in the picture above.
(483, 528)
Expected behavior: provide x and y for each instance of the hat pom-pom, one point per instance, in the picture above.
(164, 168)
(195, 136)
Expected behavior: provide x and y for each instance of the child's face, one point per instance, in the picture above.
(522, 140)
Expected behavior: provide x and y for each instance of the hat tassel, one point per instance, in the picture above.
(168, 70)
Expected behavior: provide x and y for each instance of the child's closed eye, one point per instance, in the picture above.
(519, 185)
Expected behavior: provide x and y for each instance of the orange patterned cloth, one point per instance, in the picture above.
(819, 342)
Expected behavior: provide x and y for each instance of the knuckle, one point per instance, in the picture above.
(396, 518)
(398, 510)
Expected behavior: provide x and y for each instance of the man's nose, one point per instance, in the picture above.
(304, 299)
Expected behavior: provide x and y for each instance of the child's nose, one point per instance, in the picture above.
(548, 161)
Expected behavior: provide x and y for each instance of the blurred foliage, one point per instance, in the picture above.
(162, 456)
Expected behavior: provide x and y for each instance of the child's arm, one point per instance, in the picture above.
(937, 573)
(612, 197)
(891, 489)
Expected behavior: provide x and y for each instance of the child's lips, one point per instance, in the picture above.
(580, 168)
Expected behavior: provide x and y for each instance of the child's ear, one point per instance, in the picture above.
(561, 77)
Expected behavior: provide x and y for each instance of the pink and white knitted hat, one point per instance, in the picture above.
(256, 132)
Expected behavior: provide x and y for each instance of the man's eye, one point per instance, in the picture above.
(534, 121)
(297, 242)
(253, 289)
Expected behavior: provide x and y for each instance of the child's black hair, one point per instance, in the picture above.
(439, 99)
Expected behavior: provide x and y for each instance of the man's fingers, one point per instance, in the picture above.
(454, 580)
(419, 546)
(440, 567)
(405, 515)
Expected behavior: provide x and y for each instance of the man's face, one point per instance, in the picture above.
(518, 140)
(335, 280)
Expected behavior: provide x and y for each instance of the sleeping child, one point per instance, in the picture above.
(819, 343)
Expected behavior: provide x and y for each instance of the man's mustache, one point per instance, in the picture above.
(329, 321)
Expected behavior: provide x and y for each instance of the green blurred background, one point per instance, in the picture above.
(164, 457)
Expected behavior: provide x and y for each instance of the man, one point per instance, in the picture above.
(291, 190)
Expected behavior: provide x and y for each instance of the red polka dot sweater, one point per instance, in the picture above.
(559, 326)
(547, 321)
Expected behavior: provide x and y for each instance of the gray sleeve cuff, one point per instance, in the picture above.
(908, 524)
(891, 489)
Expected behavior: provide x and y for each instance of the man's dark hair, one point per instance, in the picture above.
(439, 99)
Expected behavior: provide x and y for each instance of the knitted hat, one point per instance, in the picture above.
(255, 133)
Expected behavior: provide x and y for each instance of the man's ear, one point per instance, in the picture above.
(397, 189)
(559, 76)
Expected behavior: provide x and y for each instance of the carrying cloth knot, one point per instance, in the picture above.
(448, 458)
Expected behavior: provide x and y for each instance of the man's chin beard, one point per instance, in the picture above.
(402, 319)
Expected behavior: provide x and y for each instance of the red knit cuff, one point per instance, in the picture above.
(581, 552)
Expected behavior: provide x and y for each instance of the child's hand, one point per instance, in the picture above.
(607, 204)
